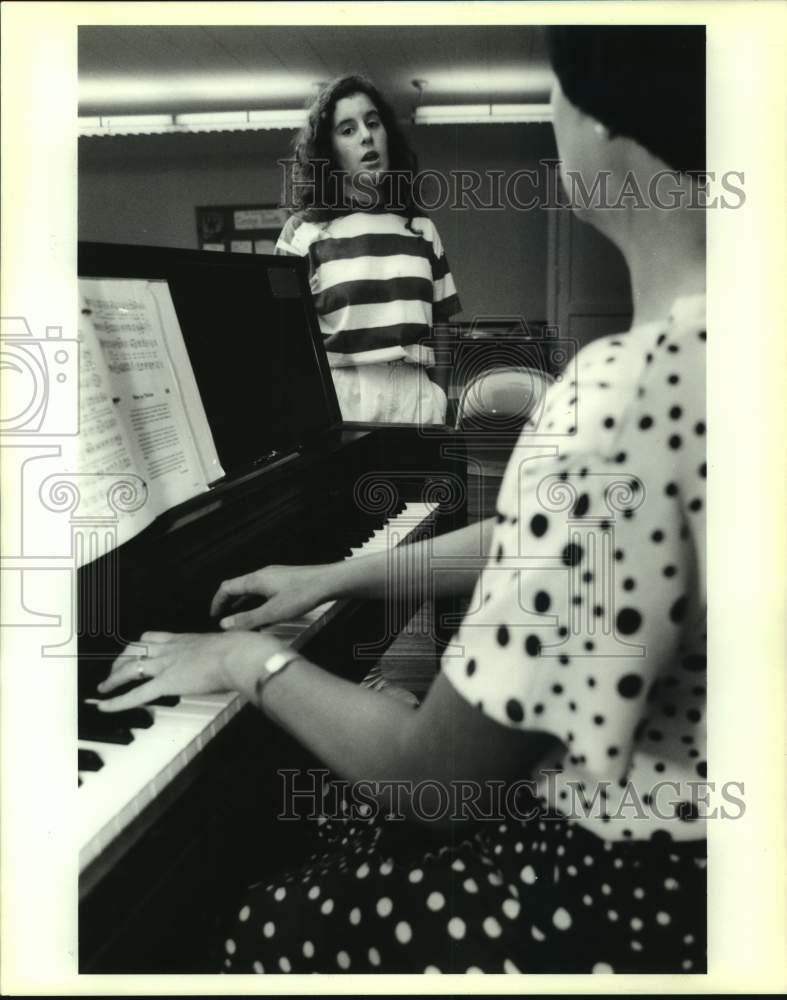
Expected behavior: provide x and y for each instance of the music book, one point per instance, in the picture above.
(144, 444)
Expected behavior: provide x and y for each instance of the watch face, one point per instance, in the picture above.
(279, 660)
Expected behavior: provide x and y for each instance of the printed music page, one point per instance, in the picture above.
(181, 368)
(140, 411)
(106, 451)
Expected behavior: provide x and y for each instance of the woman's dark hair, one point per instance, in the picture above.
(645, 82)
(317, 191)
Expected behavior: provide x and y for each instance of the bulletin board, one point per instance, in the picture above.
(239, 228)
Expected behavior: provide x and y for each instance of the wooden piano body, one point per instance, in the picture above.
(159, 879)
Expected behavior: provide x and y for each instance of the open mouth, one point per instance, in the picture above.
(371, 157)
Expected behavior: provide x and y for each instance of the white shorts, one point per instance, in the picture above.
(393, 393)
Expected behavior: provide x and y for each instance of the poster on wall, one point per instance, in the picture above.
(239, 228)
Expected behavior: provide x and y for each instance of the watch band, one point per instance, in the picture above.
(275, 663)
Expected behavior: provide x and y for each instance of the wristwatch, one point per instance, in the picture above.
(275, 663)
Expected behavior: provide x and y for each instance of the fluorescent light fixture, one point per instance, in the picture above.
(213, 118)
(522, 112)
(127, 125)
(481, 114)
(109, 121)
(198, 121)
(198, 90)
(292, 118)
(511, 82)
(452, 114)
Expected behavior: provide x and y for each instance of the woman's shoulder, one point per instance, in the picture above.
(423, 224)
(299, 232)
(662, 403)
(626, 384)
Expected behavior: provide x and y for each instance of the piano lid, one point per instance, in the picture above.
(255, 345)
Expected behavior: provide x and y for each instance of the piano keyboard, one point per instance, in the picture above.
(119, 780)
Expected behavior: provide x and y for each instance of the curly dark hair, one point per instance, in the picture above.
(316, 188)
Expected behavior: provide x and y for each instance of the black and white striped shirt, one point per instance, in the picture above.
(378, 285)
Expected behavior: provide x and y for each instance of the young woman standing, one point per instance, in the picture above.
(378, 272)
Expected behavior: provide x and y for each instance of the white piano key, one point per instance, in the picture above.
(134, 774)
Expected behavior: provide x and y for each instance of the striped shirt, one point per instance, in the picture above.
(378, 286)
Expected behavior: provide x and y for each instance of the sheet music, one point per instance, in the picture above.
(140, 411)
(184, 375)
(106, 450)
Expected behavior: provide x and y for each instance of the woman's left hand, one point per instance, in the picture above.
(184, 664)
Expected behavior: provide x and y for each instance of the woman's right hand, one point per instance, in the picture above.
(287, 592)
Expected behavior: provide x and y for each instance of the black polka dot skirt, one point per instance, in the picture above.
(545, 896)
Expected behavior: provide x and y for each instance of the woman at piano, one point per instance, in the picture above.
(377, 267)
(554, 773)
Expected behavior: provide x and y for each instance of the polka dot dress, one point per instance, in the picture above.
(547, 896)
(587, 623)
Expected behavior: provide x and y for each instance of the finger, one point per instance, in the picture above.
(234, 604)
(239, 586)
(266, 614)
(122, 673)
(133, 699)
(159, 638)
(145, 647)
(130, 655)
(142, 668)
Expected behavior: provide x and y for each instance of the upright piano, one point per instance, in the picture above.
(178, 801)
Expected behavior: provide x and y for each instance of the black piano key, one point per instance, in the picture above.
(136, 718)
(103, 734)
(89, 760)
(132, 718)
(114, 727)
(165, 701)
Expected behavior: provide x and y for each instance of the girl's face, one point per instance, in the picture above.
(359, 139)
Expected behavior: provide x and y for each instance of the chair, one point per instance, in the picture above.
(502, 399)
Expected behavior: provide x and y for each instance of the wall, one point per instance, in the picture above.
(144, 189)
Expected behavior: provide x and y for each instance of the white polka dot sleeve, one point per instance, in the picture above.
(588, 621)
